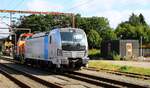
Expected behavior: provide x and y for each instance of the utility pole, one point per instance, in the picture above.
(10, 28)
(12, 34)
(73, 20)
(141, 47)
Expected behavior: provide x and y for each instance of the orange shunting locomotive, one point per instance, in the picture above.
(21, 43)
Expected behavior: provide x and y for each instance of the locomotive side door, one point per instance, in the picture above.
(50, 44)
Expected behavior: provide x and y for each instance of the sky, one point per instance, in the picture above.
(116, 11)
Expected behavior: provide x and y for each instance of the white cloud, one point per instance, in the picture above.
(115, 10)
(115, 17)
(43, 5)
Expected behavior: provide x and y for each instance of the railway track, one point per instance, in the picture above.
(24, 78)
(98, 81)
(128, 74)
(19, 83)
(62, 76)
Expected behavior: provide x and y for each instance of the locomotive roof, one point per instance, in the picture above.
(61, 30)
(39, 34)
(70, 29)
(26, 34)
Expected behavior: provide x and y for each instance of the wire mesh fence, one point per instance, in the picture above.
(146, 52)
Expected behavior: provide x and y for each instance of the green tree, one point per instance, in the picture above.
(142, 19)
(108, 34)
(125, 31)
(44, 22)
(134, 28)
(134, 19)
(88, 23)
(100, 24)
(94, 39)
(47, 22)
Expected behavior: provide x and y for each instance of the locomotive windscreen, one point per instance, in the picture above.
(73, 40)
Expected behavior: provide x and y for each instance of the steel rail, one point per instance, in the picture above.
(128, 74)
(100, 81)
(19, 83)
(113, 81)
(44, 82)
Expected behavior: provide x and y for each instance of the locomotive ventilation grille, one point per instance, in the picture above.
(73, 54)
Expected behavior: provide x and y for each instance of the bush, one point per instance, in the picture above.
(124, 68)
(94, 53)
(94, 39)
(115, 56)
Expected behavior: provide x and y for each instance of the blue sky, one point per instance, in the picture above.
(115, 10)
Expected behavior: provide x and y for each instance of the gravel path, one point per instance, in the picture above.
(6, 83)
(117, 77)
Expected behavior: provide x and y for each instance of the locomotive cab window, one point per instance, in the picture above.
(73, 40)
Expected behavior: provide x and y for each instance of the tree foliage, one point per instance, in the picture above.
(96, 28)
(44, 22)
(88, 23)
(94, 39)
(108, 34)
(135, 28)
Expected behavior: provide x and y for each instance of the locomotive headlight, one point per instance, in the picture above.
(59, 52)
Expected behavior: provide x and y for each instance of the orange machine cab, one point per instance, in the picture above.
(21, 43)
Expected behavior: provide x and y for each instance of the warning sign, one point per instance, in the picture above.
(128, 49)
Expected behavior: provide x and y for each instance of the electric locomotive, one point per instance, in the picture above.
(59, 48)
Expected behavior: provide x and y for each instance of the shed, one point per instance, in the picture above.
(121, 47)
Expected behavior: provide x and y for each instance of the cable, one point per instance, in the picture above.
(6, 17)
(79, 5)
(19, 4)
(10, 3)
(4, 23)
(2, 35)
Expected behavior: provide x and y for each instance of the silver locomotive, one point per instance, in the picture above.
(60, 48)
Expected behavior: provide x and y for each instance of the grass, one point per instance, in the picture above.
(107, 65)
(94, 53)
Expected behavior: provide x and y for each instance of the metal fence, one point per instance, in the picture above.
(146, 52)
